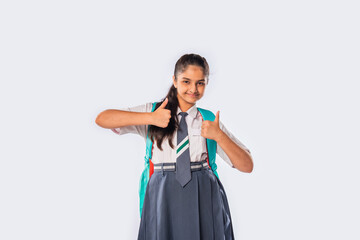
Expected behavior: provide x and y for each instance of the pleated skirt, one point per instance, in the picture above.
(197, 211)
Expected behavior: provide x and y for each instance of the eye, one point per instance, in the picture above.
(201, 83)
(186, 81)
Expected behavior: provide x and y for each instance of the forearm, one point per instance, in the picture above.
(239, 157)
(113, 118)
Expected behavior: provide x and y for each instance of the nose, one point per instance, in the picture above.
(193, 88)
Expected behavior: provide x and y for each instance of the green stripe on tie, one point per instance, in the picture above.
(182, 146)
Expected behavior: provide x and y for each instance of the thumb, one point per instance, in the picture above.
(164, 103)
(217, 117)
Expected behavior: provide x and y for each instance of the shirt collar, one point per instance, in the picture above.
(191, 111)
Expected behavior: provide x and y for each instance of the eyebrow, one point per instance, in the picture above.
(191, 80)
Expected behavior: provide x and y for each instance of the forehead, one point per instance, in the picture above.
(192, 72)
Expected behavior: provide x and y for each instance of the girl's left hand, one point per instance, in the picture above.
(211, 129)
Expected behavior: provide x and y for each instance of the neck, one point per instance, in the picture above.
(184, 106)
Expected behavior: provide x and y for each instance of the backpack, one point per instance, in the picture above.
(149, 167)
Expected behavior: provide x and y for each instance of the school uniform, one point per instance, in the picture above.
(197, 211)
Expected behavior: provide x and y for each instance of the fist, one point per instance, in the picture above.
(161, 116)
(211, 129)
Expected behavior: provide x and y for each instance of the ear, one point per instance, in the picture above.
(174, 81)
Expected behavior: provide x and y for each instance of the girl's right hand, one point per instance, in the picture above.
(161, 116)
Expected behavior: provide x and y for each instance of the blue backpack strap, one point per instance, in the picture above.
(210, 143)
(144, 178)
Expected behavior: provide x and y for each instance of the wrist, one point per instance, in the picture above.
(220, 136)
(150, 118)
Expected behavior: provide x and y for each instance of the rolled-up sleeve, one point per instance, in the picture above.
(136, 129)
(221, 152)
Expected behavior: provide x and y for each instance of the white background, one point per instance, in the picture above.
(284, 75)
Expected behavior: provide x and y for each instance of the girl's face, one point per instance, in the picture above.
(190, 85)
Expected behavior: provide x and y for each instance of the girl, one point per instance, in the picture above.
(184, 199)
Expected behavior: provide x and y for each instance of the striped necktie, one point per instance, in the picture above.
(183, 172)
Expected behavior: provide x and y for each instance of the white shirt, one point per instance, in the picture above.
(197, 143)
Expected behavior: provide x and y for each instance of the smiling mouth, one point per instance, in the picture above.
(193, 95)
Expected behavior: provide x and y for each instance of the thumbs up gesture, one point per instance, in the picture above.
(211, 129)
(161, 116)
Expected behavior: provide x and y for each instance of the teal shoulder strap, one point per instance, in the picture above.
(144, 179)
(211, 144)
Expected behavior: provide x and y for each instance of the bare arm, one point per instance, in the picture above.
(239, 157)
(113, 118)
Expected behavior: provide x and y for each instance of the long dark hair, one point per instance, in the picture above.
(158, 133)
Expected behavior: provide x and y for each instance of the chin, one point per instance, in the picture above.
(192, 100)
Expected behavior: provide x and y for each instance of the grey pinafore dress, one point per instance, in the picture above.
(199, 211)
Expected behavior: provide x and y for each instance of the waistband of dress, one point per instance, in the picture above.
(168, 166)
